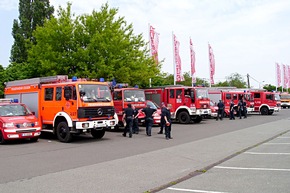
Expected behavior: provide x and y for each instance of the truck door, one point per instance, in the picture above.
(48, 107)
(68, 102)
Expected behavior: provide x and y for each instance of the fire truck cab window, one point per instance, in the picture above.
(257, 95)
(117, 95)
(171, 93)
(48, 94)
(269, 96)
(58, 93)
(228, 96)
(68, 92)
(178, 93)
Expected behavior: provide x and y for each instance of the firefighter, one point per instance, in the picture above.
(128, 117)
(245, 109)
(135, 120)
(148, 118)
(240, 107)
(221, 108)
(162, 120)
(232, 104)
(167, 118)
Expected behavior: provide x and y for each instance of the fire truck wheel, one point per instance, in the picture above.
(264, 111)
(2, 140)
(34, 139)
(183, 117)
(63, 133)
(98, 134)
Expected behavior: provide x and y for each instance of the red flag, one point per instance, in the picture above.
(192, 57)
(288, 77)
(177, 60)
(211, 64)
(278, 70)
(285, 76)
(154, 41)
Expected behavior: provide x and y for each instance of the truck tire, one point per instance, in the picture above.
(198, 119)
(183, 117)
(264, 111)
(2, 140)
(98, 134)
(63, 132)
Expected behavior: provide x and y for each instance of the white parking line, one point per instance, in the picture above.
(260, 169)
(276, 143)
(189, 190)
(257, 153)
(283, 137)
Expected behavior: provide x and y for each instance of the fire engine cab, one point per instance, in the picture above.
(265, 102)
(65, 106)
(124, 95)
(188, 103)
(227, 94)
(17, 122)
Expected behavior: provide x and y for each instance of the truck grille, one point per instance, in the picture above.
(25, 131)
(94, 112)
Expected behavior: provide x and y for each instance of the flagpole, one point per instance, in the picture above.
(277, 81)
(209, 64)
(174, 64)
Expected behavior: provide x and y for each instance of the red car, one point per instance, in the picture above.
(156, 115)
(17, 122)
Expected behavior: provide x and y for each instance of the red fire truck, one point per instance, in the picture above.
(227, 94)
(17, 122)
(265, 102)
(188, 103)
(123, 95)
(66, 107)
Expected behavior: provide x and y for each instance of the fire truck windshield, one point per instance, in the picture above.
(14, 110)
(202, 93)
(134, 96)
(94, 93)
(277, 97)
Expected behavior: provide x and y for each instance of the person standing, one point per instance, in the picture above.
(167, 117)
(128, 118)
(148, 119)
(245, 109)
(135, 120)
(232, 116)
(221, 108)
(240, 106)
(162, 120)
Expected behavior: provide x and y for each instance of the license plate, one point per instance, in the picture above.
(26, 134)
(205, 111)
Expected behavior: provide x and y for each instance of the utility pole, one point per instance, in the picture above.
(248, 80)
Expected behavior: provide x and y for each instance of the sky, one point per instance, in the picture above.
(247, 36)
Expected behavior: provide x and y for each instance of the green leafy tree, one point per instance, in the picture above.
(32, 13)
(234, 80)
(93, 46)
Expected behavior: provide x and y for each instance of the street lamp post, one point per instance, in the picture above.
(260, 84)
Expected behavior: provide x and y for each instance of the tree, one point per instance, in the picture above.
(32, 13)
(92, 45)
(234, 80)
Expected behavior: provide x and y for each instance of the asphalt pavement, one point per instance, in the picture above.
(238, 161)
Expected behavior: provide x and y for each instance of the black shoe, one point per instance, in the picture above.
(160, 132)
(130, 136)
(124, 135)
(170, 138)
(167, 138)
(149, 135)
(137, 133)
